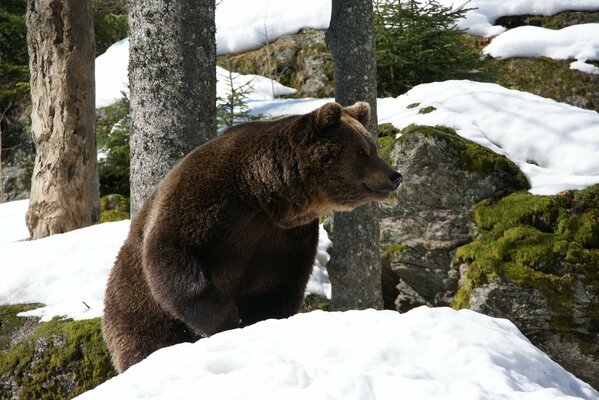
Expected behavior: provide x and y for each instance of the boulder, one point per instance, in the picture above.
(536, 263)
(445, 175)
(58, 359)
(301, 61)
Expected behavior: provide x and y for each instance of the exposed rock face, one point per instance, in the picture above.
(301, 61)
(444, 176)
(536, 263)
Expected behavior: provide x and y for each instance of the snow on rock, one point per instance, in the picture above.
(556, 145)
(247, 25)
(480, 20)
(578, 42)
(424, 354)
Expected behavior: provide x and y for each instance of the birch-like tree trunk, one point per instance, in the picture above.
(64, 186)
(355, 265)
(172, 78)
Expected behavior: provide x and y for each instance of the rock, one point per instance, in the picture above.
(17, 158)
(429, 216)
(566, 85)
(557, 21)
(301, 61)
(50, 360)
(536, 263)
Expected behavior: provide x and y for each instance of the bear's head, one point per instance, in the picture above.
(337, 155)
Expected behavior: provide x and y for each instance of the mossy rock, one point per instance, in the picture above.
(565, 85)
(58, 360)
(445, 175)
(557, 21)
(386, 140)
(114, 207)
(470, 156)
(301, 61)
(544, 250)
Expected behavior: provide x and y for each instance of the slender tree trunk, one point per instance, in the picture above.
(355, 265)
(64, 186)
(172, 77)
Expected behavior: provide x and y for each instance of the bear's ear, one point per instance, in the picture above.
(326, 116)
(359, 111)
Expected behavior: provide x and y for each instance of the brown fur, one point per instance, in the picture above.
(229, 237)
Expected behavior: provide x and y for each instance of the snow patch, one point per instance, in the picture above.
(424, 354)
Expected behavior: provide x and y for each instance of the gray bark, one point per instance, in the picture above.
(172, 77)
(64, 186)
(355, 265)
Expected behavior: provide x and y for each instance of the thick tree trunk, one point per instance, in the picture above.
(64, 186)
(172, 77)
(355, 265)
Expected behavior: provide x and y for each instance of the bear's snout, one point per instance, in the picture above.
(396, 179)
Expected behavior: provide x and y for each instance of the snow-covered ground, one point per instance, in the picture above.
(424, 354)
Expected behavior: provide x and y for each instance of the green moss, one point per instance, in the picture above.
(10, 322)
(545, 242)
(413, 105)
(62, 359)
(392, 250)
(426, 110)
(461, 298)
(114, 207)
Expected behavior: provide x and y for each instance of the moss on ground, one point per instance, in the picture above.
(61, 359)
(10, 323)
(545, 242)
(114, 207)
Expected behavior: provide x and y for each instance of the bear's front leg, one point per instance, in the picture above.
(178, 283)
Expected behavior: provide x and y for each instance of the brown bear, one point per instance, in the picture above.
(229, 236)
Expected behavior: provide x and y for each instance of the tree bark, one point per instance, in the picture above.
(64, 186)
(172, 77)
(355, 265)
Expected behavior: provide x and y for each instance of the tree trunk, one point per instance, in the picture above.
(355, 265)
(172, 78)
(64, 185)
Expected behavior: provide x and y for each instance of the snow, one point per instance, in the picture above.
(68, 272)
(112, 80)
(426, 353)
(479, 22)
(578, 42)
(242, 25)
(554, 144)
